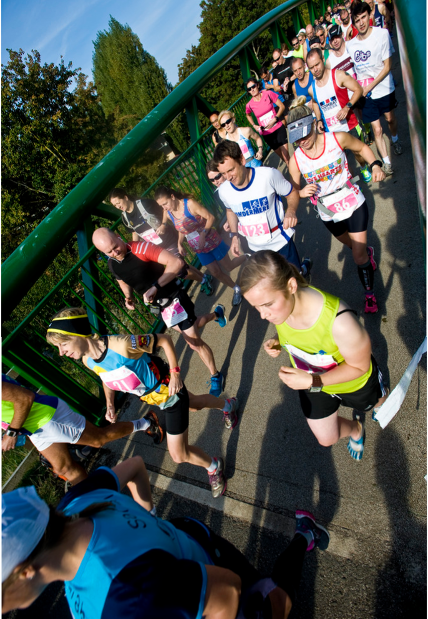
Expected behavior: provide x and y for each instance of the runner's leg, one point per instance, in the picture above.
(379, 138)
(98, 437)
(330, 430)
(181, 451)
(215, 270)
(63, 464)
(197, 344)
(391, 119)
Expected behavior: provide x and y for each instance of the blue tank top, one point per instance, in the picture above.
(378, 18)
(304, 91)
(120, 536)
(270, 82)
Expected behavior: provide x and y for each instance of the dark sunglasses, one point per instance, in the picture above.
(226, 122)
(297, 43)
(216, 178)
(252, 87)
(214, 121)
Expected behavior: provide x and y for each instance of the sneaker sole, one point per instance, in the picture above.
(154, 436)
(302, 514)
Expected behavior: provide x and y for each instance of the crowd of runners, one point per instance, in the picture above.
(326, 97)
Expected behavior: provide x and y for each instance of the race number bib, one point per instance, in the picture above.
(341, 201)
(365, 82)
(255, 227)
(151, 237)
(333, 123)
(318, 363)
(255, 230)
(174, 313)
(193, 240)
(244, 150)
(266, 118)
(123, 379)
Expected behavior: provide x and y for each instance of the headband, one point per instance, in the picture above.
(300, 128)
(71, 325)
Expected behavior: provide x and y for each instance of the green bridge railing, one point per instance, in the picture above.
(89, 283)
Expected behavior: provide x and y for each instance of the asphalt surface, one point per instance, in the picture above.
(375, 509)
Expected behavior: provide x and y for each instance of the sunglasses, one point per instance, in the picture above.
(216, 178)
(295, 44)
(252, 87)
(226, 122)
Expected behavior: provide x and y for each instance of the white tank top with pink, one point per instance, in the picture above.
(330, 172)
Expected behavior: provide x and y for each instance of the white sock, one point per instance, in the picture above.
(237, 289)
(153, 511)
(387, 160)
(204, 279)
(394, 138)
(141, 424)
(213, 465)
(226, 407)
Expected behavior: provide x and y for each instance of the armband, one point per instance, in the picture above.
(157, 286)
(176, 370)
(377, 162)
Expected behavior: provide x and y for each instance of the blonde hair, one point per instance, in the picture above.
(298, 109)
(229, 113)
(271, 266)
(56, 338)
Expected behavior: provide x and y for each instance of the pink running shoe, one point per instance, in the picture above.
(370, 252)
(371, 304)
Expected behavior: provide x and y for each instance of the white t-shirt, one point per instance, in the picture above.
(259, 208)
(369, 56)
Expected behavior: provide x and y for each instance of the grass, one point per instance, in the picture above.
(11, 460)
(49, 488)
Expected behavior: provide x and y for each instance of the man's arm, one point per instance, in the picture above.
(135, 236)
(22, 400)
(129, 294)
(276, 86)
(346, 81)
(383, 9)
(290, 217)
(173, 267)
(233, 221)
(132, 473)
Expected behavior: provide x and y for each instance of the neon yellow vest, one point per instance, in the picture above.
(314, 349)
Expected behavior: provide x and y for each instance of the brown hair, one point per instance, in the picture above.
(121, 193)
(211, 166)
(227, 148)
(166, 192)
(271, 266)
(56, 338)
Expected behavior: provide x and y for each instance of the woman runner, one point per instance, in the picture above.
(242, 136)
(195, 223)
(341, 205)
(329, 350)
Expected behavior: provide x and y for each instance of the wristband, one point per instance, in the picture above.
(157, 286)
(207, 231)
(232, 234)
(13, 432)
(260, 147)
(377, 162)
(176, 370)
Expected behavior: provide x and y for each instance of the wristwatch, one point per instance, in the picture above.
(377, 162)
(13, 432)
(232, 234)
(349, 104)
(316, 384)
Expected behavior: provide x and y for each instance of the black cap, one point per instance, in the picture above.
(335, 31)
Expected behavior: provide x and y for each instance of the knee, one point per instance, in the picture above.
(179, 457)
(196, 344)
(215, 269)
(378, 132)
(99, 441)
(65, 470)
(326, 441)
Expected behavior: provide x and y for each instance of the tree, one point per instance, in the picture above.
(52, 135)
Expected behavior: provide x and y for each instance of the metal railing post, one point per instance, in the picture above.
(84, 243)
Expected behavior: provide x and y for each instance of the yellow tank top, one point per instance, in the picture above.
(315, 351)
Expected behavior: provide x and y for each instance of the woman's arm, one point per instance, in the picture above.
(165, 342)
(251, 134)
(346, 140)
(250, 122)
(197, 209)
(132, 473)
(163, 225)
(111, 414)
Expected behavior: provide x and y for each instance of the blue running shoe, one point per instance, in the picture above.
(217, 384)
(207, 285)
(220, 317)
(305, 523)
(366, 174)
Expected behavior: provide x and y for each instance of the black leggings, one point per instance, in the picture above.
(286, 573)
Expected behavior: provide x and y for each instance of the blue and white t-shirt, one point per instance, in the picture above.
(369, 57)
(259, 208)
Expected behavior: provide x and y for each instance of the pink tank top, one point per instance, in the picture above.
(192, 226)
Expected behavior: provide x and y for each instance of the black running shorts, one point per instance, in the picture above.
(177, 415)
(358, 222)
(276, 139)
(321, 405)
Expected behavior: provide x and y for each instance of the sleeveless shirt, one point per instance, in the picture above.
(331, 98)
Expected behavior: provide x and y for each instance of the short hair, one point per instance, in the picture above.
(224, 112)
(295, 59)
(315, 52)
(225, 149)
(118, 192)
(358, 8)
(319, 29)
(277, 50)
(211, 166)
(344, 11)
(213, 112)
(264, 70)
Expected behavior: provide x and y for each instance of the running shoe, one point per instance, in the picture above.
(217, 384)
(366, 174)
(397, 147)
(371, 304)
(217, 479)
(370, 252)
(206, 285)
(237, 296)
(219, 315)
(305, 523)
(230, 417)
(306, 267)
(387, 168)
(155, 430)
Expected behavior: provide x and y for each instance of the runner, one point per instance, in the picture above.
(345, 25)
(262, 105)
(242, 136)
(340, 204)
(127, 363)
(143, 217)
(157, 276)
(371, 51)
(254, 207)
(51, 425)
(195, 223)
(303, 80)
(281, 74)
(380, 15)
(219, 134)
(139, 565)
(297, 47)
(329, 350)
(332, 105)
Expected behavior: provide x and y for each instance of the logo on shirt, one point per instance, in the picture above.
(253, 207)
(329, 104)
(327, 172)
(143, 341)
(361, 56)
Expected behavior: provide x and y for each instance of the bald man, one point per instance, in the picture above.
(307, 44)
(156, 275)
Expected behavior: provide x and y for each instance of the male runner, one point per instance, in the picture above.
(282, 73)
(254, 207)
(332, 105)
(345, 24)
(303, 80)
(380, 15)
(154, 273)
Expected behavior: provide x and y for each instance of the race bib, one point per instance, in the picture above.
(266, 118)
(365, 82)
(151, 237)
(333, 123)
(318, 363)
(123, 379)
(255, 230)
(340, 201)
(174, 313)
(193, 240)
(244, 150)
(256, 227)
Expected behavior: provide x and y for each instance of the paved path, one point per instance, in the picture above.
(374, 509)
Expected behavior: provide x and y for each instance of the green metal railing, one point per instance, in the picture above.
(88, 283)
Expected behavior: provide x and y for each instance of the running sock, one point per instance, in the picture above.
(226, 407)
(394, 138)
(213, 466)
(287, 570)
(204, 279)
(366, 275)
(217, 373)
(153, 511)
(141, 424)
(386, 160)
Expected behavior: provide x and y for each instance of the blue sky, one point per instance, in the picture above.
(166, 28)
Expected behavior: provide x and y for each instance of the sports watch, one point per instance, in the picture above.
(377, 162)
(232, 234)
(316, 384)
(12, 432)
(349, 104)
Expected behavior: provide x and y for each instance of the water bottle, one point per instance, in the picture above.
(20, 442)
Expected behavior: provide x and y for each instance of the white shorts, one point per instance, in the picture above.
(66, 426)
